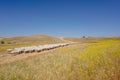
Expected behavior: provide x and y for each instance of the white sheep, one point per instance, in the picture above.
(36, 48)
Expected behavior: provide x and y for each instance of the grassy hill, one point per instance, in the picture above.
(28, 41)
(41, 39)
(22, 41)
(91, 39)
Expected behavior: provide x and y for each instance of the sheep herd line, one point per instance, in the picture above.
(36, 48)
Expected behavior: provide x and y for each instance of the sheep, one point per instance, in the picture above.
(36, 48)
(16, 51)
(39, 49)
(9, 50)
(27, 50)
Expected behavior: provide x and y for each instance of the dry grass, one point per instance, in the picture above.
(94, 61)
(91, 39)
(28, 41)
(37, 39)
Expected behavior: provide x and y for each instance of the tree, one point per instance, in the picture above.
(83, 37)
(2, 42)
(9, 42)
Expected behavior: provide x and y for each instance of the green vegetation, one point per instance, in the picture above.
(83, 37)
(2, 42)
(91, 61)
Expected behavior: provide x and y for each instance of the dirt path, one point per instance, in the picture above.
(8, 58)
(61, 38)
(11, 58)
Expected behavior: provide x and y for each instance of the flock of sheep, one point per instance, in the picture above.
(36, 48)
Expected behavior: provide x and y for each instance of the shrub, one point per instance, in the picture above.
(2, 42)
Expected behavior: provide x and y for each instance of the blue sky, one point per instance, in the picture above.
(62, 18)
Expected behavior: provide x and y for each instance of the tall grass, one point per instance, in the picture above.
(95, 61)
(102, 61)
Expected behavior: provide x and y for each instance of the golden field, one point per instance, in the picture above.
(81, 61)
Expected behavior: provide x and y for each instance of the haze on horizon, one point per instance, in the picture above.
(66, 18)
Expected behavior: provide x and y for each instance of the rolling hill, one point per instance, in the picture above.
(23, 41)
(90, 39)
(37, 39)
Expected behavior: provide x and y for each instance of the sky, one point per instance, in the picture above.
(61, 18)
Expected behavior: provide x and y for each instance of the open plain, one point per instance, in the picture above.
(88, 59)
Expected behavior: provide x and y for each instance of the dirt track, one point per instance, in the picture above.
(11, 58)
(8, 58)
